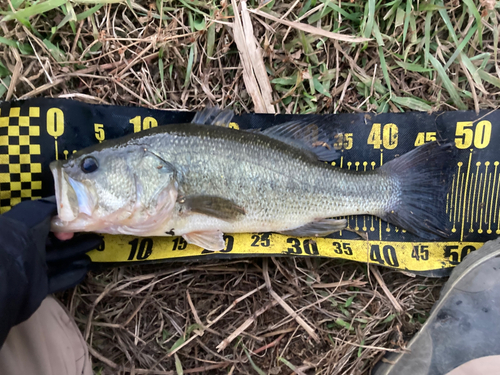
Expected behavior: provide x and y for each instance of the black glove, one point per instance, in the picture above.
(33, 263)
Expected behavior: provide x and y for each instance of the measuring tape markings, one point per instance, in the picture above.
(413, 256)
(472, 202)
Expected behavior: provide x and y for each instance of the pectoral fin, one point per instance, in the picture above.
(218, 207)
(317, 228)
(213, 241)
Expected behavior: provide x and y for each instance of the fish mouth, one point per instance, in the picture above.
(73, 198)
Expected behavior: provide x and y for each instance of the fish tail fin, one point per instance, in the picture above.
(423, 178)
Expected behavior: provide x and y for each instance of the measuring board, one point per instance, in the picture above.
(35, 132)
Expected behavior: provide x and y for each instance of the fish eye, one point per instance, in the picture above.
(89, 164)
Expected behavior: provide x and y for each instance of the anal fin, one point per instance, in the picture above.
(319, 228)
(213, 241)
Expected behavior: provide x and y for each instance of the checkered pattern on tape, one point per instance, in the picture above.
(20, 173)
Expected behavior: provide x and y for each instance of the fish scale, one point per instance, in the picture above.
(280, 188)
(201, 181)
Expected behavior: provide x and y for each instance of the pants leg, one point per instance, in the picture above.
(480, 366)
(48, 343)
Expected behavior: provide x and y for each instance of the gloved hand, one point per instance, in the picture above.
(33, 263)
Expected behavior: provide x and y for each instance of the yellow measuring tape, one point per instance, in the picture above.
(34, 132)
(410, 256)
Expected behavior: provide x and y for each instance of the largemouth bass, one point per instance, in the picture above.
(203, 179)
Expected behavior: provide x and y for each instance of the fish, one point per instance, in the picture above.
(202, 179)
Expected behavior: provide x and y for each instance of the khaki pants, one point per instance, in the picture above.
(480, 366)
(48, 343)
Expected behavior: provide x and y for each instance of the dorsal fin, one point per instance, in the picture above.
(307, 136)
(310, 137)
(214, 116)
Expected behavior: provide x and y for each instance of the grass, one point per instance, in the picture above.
(420, 55)
(315, 56)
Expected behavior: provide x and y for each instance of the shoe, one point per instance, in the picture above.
(464, 324)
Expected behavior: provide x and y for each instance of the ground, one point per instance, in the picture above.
(316, 56)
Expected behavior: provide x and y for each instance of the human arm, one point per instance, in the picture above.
(33, 263)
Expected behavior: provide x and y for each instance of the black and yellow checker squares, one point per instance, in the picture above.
(20, 169)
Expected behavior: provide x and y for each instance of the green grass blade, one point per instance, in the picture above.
(88, 12)
(485, 56)
(178, 365)
(319, 15)
(471, 7)
(4, 72)
(473, 70)
(199, 23)
(54, 51)
(290, 365)
(413, 67)
(412, 103)
(70, 17)
(320, 88)
(309, 51)
(360, 349)
(255, 367)
(210, 42)
(370, 19)
(349, 301)
(189, 65)
(427, 36)
(485, 76)
(378, 35)
(407, 19)
(33, 10)
(495, 43)
(448, 85)
(460, 47)
(344, 324)
(161, 68)
(103, 2)
(285, 81)
(305, 8)
(355, 16)
(196, 10)
(392, 10)
(389, 319)
(368, 81)
(16, 3)
(384, 69)
(9, 42)
(181, 340)
(4, 85)
(446, 18)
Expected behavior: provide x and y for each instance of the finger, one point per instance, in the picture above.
(78, 245)
(64, 236)
(68, 277)
(32, 213)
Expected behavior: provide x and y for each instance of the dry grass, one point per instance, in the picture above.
(150, 319)
(419, 56)
(264, 316)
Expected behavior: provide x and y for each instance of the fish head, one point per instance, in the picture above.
(92, 186)
(108, 189)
